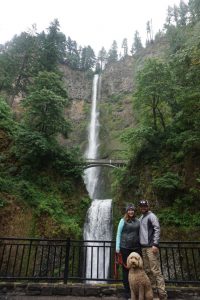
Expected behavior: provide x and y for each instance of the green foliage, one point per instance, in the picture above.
(177, 217)
(6, 184)
(68, 163)
(194, 9)
(44, 119)
(85, 203)
(165, 141)
(45, 106)
(29, 193)
(87, 58)
(6, 116)
(185, 209)
(124, 183)
(51, 47)
(32, 148)
(154, 93)
(169, 182)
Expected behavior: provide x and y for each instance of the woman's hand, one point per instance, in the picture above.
(155, 249)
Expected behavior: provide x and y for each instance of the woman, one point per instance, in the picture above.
(127, 241)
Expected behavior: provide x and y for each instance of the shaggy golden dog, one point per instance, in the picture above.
(138, 280)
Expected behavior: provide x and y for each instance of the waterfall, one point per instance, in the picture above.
(98, 224)
(91, 174)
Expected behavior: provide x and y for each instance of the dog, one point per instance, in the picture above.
(138, 280)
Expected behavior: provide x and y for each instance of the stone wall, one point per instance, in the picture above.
(10, 289)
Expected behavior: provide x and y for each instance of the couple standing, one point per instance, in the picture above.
(141, 236)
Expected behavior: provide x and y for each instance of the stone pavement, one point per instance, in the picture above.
(58, 298)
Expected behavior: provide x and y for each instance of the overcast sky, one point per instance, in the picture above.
(89, 22)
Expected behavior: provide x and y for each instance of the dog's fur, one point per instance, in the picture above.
(138, 280)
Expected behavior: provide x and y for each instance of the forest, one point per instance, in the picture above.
(42, 179)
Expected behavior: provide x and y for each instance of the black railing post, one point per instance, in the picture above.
(66, 270)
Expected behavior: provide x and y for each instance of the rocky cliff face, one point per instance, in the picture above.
(78, 84)
(117, 85)
(116, 109)
(79, 88)
(118, 78)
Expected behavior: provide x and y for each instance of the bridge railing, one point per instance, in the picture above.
(70, 260)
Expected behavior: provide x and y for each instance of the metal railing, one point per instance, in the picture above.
(70, 260)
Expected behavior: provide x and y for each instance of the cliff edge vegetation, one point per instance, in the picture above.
(164, 143)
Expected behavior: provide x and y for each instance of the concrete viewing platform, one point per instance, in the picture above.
(72, 291)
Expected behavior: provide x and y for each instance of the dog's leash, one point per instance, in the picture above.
(118, 261)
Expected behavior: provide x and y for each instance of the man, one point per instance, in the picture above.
(149, 240)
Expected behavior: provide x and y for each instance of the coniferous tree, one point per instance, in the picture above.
(88, 58)
(194, 10)
(137, 43)
(102, 58)
(43, 120)
(149, 32)
(183, 13)
(72, 54)
(113, 53)
(170, 14)
(125, 46)
(52, 47)
(18, 64)
(176, 14)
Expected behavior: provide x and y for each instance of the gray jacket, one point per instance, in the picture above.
(149, 230)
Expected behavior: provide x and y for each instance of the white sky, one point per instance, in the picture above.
(88, 22)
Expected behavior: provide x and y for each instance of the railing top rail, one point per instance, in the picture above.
(87, 241)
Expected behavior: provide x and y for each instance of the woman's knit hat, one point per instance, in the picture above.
(130, 206)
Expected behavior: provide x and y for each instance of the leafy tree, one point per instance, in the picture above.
(154, 92)
(43, 120)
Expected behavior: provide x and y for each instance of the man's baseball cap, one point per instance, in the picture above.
(143, 203)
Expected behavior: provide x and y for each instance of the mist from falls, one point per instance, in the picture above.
(98, 224)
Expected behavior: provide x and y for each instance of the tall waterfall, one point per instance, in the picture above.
(98, 224)
(91, 174)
